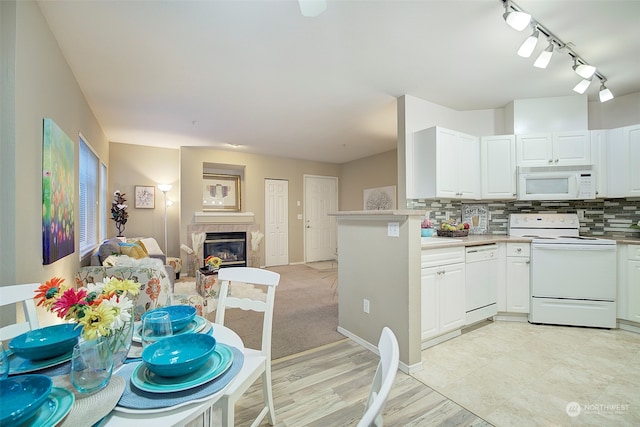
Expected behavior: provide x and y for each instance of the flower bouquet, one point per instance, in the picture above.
(212, 263)
(103, 310)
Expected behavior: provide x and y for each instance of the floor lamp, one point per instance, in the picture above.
(165, 188)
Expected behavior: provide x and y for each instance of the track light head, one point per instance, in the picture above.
(312, 8)
(515, 19)
(529, 44)
(582, 86)
(605, 93)
(544, 57)
(584, 70)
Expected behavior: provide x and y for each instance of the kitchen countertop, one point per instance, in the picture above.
(484, 239)
(474, 240)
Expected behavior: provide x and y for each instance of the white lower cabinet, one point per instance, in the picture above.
(629, 282)
(517, 281)
(633, 276)
(442, 291)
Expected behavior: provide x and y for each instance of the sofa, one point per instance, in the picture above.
(155, 286)
(138, 247)
(141, 260)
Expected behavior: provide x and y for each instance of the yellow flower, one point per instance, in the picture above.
(213, 261)
(121, 287)
(97, 321)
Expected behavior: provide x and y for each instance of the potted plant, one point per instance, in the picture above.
(119, 211)
(426, 228)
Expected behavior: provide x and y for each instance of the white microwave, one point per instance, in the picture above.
(556, 183)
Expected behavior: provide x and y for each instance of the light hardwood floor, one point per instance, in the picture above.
(328, 387)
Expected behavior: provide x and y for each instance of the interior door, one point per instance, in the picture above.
(320, 198)
(276, 220)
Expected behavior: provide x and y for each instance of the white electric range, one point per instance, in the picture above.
(573, 277)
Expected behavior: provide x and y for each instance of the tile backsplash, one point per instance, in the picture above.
(610, 217)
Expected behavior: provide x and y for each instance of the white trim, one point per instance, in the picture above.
(407, 369)
(223, 218)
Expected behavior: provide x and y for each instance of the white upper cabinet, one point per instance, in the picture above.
(446, 164)
(623, 158)
(554, 149)
(498, 167)
(599, 142)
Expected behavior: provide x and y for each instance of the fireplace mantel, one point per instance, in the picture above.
(223, 218)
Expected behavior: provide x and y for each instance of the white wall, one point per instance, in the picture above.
(620, 111)
(553, 114)
(43, 86)
(421, 114)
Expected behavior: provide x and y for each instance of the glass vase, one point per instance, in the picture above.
(120, 342)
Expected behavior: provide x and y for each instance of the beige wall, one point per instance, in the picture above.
(380, 170)
(43, 86)
(133, 165)
(386, 271)
(257, 168)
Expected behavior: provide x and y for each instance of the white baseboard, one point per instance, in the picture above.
(407, 369)
(630, 326)
(439, 339)
(512, 317)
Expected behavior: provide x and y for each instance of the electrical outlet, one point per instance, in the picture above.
(365, 305)
(581, 213)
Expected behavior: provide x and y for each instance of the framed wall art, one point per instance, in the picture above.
(145, 197)
(381, 198)
(57, 193)
(220, 192)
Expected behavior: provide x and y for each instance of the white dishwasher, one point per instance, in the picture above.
(481, 286)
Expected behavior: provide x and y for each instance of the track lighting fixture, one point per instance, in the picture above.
(529, 44)
(582, 86)
(544, 57)
(605, 93)
(515, 19)
(518, 19)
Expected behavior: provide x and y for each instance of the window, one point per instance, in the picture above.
(92, 224)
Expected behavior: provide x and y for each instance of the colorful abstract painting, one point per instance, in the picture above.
(57, 193)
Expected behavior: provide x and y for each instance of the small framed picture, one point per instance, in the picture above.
(220, 192)
(145, 197)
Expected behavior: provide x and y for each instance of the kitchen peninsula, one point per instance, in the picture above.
(379, 279)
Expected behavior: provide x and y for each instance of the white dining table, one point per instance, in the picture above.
(184, 414)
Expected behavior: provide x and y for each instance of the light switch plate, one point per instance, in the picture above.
(393, 229)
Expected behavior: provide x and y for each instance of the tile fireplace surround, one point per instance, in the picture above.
(220, 222)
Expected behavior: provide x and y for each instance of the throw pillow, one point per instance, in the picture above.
(108, 248)
(132, 250)
(144, 248)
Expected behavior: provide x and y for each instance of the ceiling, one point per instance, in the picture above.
(259, 75)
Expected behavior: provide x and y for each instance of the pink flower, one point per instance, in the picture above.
(69, 302)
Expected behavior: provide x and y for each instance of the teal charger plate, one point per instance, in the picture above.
(217, 365)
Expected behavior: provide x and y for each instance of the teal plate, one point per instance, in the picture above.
(217, 365)
(55, 408)
(197, 324)
(18, 365)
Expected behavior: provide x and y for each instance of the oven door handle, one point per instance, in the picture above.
(573, 247)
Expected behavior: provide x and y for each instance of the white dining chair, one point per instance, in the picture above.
(257, 363)
(382, 380)
(13, 295)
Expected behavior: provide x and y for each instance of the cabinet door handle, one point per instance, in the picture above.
(550, 160)
(527, 262)
(557, 160)
(518, 249)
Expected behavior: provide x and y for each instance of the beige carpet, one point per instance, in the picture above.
(324, 265)
(305, 312)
